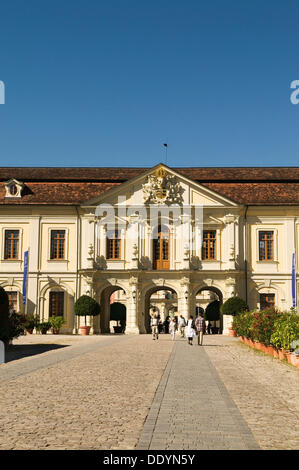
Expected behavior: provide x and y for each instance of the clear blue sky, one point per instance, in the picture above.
(107, 82)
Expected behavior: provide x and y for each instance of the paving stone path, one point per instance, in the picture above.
(223, 395)
(192, 408)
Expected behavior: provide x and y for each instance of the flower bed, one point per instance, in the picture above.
(270, 331)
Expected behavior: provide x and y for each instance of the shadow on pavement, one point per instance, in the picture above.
(16, 352)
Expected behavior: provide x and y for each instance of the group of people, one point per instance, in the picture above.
(189, 329)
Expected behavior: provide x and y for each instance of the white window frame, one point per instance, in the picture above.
(66, 248)
(218, 241)
(19, 257)
(275, 247)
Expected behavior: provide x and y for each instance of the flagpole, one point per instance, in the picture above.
(166, 146)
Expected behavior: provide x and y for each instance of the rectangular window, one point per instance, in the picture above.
(266, 244)
(209, 244)
(113, 244)
(13, 300)
(56, 307)
(11, 248)
(57, 244)
(267, 300)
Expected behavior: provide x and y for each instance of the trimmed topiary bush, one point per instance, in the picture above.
(86, 306)
(213, 311)
(233, 306)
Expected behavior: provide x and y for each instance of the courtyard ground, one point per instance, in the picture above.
(126, 392)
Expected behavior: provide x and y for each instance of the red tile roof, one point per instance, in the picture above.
(106, 174)
(254, 186)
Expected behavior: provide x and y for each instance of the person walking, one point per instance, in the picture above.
(172, 328)
(200, 326)
(166, 324)
(182, 325)
(190, 330)
(155, 326)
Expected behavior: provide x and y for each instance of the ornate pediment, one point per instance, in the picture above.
(162, 187)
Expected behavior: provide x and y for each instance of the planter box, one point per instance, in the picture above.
(84, 330)
(288, 356)
(281, 354)
(270, 350)
(294, 359)
(275, 352)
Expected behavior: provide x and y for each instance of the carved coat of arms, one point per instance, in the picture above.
(162, 188)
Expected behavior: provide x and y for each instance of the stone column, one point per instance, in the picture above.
(230, 220)
(132, 310)
(184, 304)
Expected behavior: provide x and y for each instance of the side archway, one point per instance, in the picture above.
(106, 300)
(210, 299)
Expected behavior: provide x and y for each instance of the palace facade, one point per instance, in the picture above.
(176, 238)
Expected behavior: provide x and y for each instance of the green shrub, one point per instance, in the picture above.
(30, 322)
(213, 311)
(16, 326)
(233, 306)
(43, 327)
(242, 324)
(285, 331)
(56, 322)
(86, 306)
(262, 326)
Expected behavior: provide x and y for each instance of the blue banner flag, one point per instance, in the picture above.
(26, 259)
(294, 281)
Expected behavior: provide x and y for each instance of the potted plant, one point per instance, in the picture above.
(30, 322)
(15, 329)
(44, 327)
(86, 306)
(56, 323)
(285, 332)
(231, 307)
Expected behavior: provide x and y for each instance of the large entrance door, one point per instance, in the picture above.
(161, 249)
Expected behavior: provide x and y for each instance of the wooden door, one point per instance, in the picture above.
(161, 249)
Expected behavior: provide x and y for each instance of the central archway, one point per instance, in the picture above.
(163, 299)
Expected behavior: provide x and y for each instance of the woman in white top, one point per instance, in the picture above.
(190, 330)
(172, 328)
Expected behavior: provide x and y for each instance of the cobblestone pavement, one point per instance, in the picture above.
(94, 393)
(223, 396)
(265, 390)
(122, 392)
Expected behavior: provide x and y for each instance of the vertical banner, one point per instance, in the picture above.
(26, 260)
(294, 281)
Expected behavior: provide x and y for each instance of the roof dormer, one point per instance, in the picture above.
(13, 188)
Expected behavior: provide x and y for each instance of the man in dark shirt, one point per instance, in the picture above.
(200, 327)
